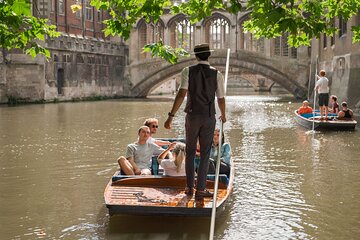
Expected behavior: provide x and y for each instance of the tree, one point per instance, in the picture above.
(301, 19)
(20, 30)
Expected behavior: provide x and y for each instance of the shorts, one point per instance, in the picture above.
(323, 99)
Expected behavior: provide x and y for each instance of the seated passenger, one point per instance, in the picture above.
(335, 105)
(153, 125)
(305, 108)
(345, 113)
(138, 155)
(176, 165)
(224, 156)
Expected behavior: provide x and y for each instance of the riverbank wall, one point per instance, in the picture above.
(78, 68)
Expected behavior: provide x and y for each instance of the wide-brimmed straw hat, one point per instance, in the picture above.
(202, 48)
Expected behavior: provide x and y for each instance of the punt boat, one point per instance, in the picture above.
(307, 120)
(158, 194)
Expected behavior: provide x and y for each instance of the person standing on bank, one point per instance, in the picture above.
(322, 87)
(200, 82)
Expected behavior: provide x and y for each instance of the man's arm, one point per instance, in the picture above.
(221, 103)
(177, 103)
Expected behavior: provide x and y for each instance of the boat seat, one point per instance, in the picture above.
(222, 178)
(157, 170)
(310, 115)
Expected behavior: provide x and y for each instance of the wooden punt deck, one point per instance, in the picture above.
(160, 195)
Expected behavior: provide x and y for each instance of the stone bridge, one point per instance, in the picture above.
(287, 72)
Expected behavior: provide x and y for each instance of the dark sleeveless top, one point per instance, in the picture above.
(201, 90)
(347, 114)
(335, 106)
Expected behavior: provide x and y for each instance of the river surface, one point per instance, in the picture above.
(56, 159)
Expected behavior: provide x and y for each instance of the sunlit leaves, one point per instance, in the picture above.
(75, 8)
(356, 36)
(302, 20)
(19, 29)
(166, 52)
(21, 7)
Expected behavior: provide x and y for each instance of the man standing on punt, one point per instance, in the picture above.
(201, 83)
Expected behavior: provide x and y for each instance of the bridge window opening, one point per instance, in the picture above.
(218, 33)
(182, 34)
(284, 45)
(257, 45)
(282, 48)
(148, 33)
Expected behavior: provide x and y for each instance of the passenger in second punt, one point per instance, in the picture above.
(345, 113)
(305, 108)
(335, 106)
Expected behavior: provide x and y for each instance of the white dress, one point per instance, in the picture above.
(170, 168)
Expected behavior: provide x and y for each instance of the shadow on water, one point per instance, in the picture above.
(166, 227)
(158, 227)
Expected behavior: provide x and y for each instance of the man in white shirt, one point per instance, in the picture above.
(322, 87)
(138, 155)
(200, 83)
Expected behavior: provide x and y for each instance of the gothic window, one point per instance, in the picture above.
(277, 46)
(149, 33)
(182, 34)
(52, 7)
(218, 32)
(332, 38)
(88, 11)
(142, 39)
(98, 15)
(284, 45)
(155, 32)
(258, 45)
(342, 26)
(293, 52)
(61, 7)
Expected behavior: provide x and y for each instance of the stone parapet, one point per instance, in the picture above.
(78, 43)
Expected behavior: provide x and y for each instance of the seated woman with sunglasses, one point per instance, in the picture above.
(153, 124)
(174, 166)
(225, 154)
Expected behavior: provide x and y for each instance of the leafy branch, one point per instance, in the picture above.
(19, 29)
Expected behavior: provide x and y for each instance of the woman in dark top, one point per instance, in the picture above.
(345, 113)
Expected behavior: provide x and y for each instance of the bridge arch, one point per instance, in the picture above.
(288, 73)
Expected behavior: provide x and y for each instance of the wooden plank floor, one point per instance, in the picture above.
(156, 196)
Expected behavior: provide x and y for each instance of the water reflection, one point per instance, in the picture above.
(56, 159)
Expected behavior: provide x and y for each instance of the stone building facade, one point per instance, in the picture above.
(340, 58)
(83, 62)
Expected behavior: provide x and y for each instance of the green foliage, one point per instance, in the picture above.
(302, 20)
(19, 29)
(166, 52)
(356, 30)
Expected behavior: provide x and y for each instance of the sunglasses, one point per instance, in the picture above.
(154, 126)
